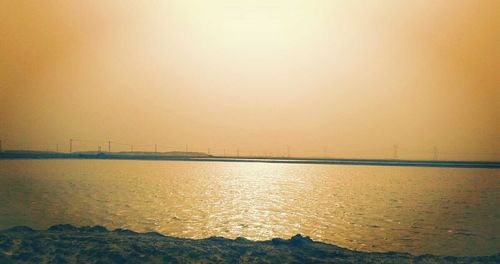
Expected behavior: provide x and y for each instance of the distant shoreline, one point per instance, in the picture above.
(70, 244)
(196, 156)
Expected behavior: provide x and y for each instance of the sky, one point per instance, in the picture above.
(320, 78)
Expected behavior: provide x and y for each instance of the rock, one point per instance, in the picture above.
(20, 229)
(91, 245)
(5, 242)
(62, 228)
(154, 234)
(298, 240)
(241, 240)
(278, 241)
(124, 231)
(216, 239)
(5, 259)
(93, 229)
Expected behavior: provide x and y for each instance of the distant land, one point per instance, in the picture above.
(200, 156)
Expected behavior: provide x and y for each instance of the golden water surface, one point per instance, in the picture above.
(442, 211)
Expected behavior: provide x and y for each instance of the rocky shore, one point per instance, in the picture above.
(69, 244)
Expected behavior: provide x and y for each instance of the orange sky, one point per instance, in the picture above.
(355, 77)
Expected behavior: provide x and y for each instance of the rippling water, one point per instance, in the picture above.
(418, 210)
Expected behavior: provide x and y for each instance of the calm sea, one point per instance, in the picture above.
(442, 211)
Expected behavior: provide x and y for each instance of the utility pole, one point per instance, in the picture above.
(435, 153)
(395, 148)
(109, 146)
(70, 145)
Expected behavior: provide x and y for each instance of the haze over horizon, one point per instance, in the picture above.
(353, 77)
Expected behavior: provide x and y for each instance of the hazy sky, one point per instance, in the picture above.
(355, 77)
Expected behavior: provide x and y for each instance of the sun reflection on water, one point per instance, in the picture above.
(417, 210)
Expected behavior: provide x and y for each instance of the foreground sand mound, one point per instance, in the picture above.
(69, 244)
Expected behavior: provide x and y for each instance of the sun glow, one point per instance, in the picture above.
(250, 23)
(247, 40)
(259, 75)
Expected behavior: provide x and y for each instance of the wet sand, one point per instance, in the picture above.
(69, 244)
